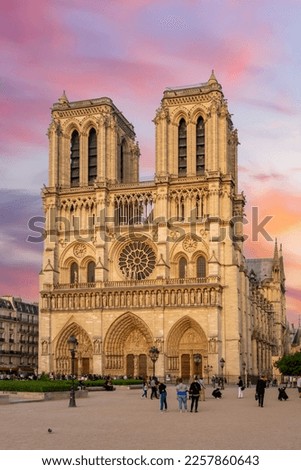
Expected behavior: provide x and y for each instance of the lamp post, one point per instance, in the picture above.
(154, 354)
(72, 343)
(197, 360)
(222, 364)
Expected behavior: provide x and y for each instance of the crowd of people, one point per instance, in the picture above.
(195, 392)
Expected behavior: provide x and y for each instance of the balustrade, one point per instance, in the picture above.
(132, 296)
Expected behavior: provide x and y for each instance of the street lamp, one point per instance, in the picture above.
(72, 343)
(222, 364)
(197, 360)
(154, 354)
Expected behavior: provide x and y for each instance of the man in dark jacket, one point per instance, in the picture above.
(163, 395)
(260, 389)
(194, 393)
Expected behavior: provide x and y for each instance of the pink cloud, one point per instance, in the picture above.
(21, 282)
(293, 306)
(281, 104)
(284, 207)
(264, 177)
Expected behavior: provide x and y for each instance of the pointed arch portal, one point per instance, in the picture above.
(186, 338)
(84, 351)
(126, 347)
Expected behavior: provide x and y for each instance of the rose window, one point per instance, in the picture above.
(137, 260)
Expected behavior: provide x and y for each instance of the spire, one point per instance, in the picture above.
(212, 78)
(63, 100)
(276, 256)
(282, 265)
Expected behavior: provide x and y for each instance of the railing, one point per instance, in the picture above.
(119, 296)
(8, 318)
(138, 283)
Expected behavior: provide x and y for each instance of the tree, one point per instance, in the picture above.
(290, 364)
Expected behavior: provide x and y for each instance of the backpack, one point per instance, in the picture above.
(195, 388)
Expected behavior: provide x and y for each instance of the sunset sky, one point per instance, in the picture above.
(131, 51)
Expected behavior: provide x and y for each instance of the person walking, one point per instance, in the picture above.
(260, 390)
(162, 395)
(203, 388)
(240, 388)
(144, 390)
(194, 393)
(182, 390)
(153, 385)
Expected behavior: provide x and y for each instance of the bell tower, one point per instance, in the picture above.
(90, 141)
(194, 132)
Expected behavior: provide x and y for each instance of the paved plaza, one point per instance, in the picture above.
(122, 420)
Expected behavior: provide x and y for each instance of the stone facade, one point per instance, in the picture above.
(18, 336)
(128, 265)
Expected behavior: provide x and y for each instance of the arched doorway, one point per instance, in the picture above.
(84, 351)
(185, 366)
(126, 347)
(136, 365)
(130, 365)
(186, 346)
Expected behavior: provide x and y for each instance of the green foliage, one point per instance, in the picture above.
(290, 365)
(44, 384)
(127, 382)
(44, 377)
(101, 382)
(34, 385)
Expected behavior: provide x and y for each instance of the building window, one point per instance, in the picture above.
(73, 273)
(137, 260)
(201, 267)
(91, 272)
(181, 209)
(92, 156)
(182, 146)
(74, 159)
(134, 209)
(120, 164)
(182, 268)
(200, 146)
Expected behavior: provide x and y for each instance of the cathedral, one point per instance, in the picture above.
(150, 277)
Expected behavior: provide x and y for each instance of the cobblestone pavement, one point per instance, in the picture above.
(123, 420)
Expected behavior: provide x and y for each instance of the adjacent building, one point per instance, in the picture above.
(19, 329)
(131, 265)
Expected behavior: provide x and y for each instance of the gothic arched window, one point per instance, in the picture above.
(182, 148)
(182, 268)
(92, 156)
(121, 163)
(73, 273)
(200, 146)
(91, 271)
(74, 159)
(201, 267)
